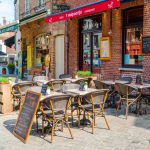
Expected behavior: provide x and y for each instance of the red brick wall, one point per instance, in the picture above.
(110, 68)
(146, 32)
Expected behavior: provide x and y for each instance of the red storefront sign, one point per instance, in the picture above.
(99, 6)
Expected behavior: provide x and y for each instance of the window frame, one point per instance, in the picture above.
(125, 26)
(41, 2)
(27, 7)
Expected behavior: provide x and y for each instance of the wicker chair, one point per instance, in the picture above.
(88, 80)
(127, 94)
(93, 104)
(57, 114)
(74, 102)
(64, 76)
(56, 85)
(111, 92)
(23, 88)
(16, 96)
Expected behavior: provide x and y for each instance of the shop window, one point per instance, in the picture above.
(90, 34)
(27, 7)
(133, 30)
(41, 2)
(41, 49)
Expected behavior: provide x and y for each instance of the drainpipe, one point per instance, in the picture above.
(67, 45)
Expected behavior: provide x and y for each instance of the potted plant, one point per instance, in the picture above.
(3, 70)
(11, 68)
(86, 74)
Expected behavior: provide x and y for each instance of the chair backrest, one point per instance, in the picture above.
(64, 76)
(99, 96)
(40, 78)
(100, 85)
(88, 80)
(15, 88)
(56, 84)
(128, 79)
(68, 86)
(57, 103)
(121, 89)
(23, 87)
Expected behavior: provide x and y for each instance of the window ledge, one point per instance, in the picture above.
(131, 69)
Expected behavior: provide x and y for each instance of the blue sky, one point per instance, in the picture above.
(7, 10)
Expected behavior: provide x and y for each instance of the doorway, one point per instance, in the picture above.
(59, 57)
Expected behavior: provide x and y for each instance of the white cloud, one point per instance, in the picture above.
(7, 10)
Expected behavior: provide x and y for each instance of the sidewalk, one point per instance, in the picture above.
(131, 134)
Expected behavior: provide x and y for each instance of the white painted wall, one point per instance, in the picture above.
(3, 46)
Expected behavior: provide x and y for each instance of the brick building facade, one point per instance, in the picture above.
(34, 29)
(114, 21)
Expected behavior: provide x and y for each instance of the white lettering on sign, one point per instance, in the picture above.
(61, 17)
(89, 10)
(72, 14)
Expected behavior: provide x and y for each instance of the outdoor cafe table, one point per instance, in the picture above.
(80, 94)
(65, 79)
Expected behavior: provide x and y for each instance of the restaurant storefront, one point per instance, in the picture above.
(125, 26)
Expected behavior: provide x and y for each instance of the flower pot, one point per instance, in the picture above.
(3, 71)
(11, 70)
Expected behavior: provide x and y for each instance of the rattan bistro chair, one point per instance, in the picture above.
(100, 85)
(88, 80)
(74, 101)
(56, 85)
(57, 114)
(128, 94)
(16, 96)
(93, 105)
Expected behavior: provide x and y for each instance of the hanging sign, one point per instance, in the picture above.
(89, 9)
(9, 29)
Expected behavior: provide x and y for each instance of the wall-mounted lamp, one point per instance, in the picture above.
(48, 35)
(19, 41)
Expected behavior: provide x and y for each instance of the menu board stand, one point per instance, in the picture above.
(26, 116)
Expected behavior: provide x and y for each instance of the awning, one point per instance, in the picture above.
(10, 41)
(89, 9)
(2, 53)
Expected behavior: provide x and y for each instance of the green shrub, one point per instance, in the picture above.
(84, 73)
(11, 66)
(4, 80)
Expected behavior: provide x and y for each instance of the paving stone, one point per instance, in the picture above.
(131, 134)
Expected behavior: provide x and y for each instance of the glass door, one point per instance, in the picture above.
(96, 51)
(87, 51)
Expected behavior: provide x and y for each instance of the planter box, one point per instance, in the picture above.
(5, 98)
(93, 77)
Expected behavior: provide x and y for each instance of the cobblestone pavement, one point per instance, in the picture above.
(131, 134)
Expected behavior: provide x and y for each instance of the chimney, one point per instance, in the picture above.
(4, 21)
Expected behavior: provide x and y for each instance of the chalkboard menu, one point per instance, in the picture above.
(146, 45)
(26, 116)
